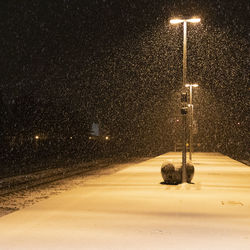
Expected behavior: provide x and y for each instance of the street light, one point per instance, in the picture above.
(190, 86)
(185, 21)
(184, 77)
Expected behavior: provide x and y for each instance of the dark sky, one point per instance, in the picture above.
(121, 61)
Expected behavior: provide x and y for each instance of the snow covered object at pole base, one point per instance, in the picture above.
(172, 173)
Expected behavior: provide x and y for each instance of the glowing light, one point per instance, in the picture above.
(174, 21)
(194, 20)
(107, 138)
(36, 137)
(191, 20)
(192, 85)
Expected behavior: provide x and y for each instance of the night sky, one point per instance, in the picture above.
(120, 63)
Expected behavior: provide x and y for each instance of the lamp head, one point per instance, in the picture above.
(175, 21)
(190, 20)
(194, 20)
(192, 85)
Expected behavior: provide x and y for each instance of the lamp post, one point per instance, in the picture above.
(185, 21)
(191, 117)
(184, 79)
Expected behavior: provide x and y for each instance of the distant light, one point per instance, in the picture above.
(107, 138)
(177, 120)
(238, 123)
(90, 137)
(36, 137)
(70, 137)
(192, 85)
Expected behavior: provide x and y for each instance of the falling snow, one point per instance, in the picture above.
(67, 65)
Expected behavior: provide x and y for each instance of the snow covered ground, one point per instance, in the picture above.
(22, 191)
(131, 209)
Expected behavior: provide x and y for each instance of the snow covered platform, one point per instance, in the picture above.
(131, 209)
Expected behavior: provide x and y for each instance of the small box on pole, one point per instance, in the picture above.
(184, 97)
(184, 110)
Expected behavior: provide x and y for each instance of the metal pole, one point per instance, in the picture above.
(184, 53)
(184, 173)
(184, 178)
(191, 123)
